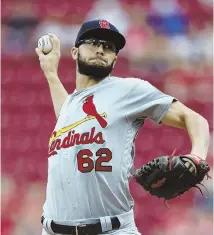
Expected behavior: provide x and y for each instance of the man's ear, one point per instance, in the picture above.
(74, 53)
(115, 61)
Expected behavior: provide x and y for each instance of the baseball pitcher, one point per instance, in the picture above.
(91, 149)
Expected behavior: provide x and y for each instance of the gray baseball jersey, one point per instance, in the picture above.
(91, 149)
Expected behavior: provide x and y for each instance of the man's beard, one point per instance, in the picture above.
(97, 72)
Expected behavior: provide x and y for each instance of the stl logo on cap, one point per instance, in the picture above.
(104, 24)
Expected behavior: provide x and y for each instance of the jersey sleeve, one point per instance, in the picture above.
(146, 101)
(65, 104)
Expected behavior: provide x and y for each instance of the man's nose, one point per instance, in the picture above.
(100, 49)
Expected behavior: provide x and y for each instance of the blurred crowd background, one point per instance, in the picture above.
(169, 43)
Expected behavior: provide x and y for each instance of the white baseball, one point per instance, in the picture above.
(45, 44)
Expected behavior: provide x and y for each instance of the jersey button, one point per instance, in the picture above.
(69, 181)
(65, 155)
(74, 206)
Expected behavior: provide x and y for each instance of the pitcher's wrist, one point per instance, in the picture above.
(51, 77)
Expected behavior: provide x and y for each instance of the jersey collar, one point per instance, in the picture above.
(88, 88)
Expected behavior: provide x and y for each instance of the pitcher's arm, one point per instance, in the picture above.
(58, 92)
(193, 123)
(49, 64)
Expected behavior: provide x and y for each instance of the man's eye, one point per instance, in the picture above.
(109, 47)
(89, 42)
(94, 43)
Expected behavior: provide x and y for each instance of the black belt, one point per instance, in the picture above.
(85, 229)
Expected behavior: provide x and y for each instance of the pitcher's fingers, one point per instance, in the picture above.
(55, 41)
(39, 52)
